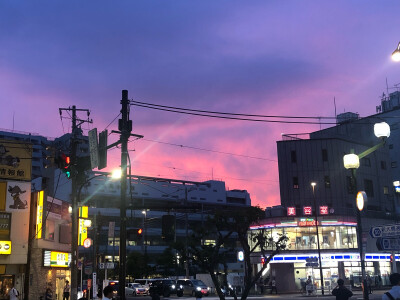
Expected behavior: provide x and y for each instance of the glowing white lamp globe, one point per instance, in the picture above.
(396, 54)
(351, 161)
(382, 130)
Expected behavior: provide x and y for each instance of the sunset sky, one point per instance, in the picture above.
(285, 58)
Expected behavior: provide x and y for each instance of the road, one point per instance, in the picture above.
(376, 295)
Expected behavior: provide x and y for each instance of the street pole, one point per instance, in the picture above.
(313, 184)
(74, 217)
(360, 240)
(186, 239)
(125, 127)
(74, 195)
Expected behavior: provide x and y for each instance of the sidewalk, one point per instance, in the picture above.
(376, 295)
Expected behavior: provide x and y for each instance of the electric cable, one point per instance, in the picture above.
(235, 118)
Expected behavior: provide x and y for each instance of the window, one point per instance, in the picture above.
(394, 164)
(327, 181)
(324, 155)
(293, 156)
(383, 165)
(295, 182)
(366, 162)
(49, 233)
(369, 187)
(385, 190)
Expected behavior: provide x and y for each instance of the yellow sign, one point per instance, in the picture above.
(5, 247)
(83, 212)
(82, 232)
(15, 160)
(39, 215)
(56, 259)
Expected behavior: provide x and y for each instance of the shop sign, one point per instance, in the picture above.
(5, 247)
(82, 232)
(323, 210)
(307, 210)
(15, 160)
(291, 211)
(39, 215)
(307, 222)
(5, 225)
(56, 259)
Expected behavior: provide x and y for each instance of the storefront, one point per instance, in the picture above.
(339, 253)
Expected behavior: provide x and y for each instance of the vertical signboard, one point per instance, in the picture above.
(82, 232)
(39, 215)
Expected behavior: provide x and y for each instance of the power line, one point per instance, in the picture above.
(233, 118)
(209, 150)
(227, 113)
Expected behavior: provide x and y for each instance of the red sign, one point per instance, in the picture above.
(291, 211)
(307, 210)
(323, 210)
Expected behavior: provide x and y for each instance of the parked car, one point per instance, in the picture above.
(145, 282)
(115, 284)
(137, 289)
(190, 287)
(162, 287)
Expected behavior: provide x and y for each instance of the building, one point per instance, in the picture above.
(165, 209)
(318, 158)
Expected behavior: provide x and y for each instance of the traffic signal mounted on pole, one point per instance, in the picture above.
(63, 162)
(139, 234)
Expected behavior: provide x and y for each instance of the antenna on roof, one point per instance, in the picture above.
(334, 103)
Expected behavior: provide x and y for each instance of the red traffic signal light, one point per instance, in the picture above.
(63, 162)
(391, 258)
(140, 231)
(263, 260)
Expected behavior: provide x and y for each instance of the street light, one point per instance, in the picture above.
(396, 54)
(313, 184)
(352, 162)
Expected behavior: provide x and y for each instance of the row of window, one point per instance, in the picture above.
(368, 185)
(365, 161)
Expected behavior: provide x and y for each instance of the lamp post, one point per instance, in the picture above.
(313, 184)
(352, 162)
(396, 53)
(144, 212)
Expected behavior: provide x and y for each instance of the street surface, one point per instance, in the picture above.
(376, 295)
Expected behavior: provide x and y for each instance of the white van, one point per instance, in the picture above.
(144, 282)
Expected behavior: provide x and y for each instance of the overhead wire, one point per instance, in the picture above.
(232, 118)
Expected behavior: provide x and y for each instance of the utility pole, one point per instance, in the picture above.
(125, 127)
(74, 184)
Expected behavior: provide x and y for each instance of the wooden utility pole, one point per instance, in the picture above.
(74, 184)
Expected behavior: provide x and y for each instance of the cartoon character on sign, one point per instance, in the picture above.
(15, 192)
(8, 160)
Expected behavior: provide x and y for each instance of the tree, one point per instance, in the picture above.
(224, 226)
(136, 265)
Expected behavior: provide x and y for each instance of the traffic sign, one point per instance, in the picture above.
(389, 244)
(390, 230)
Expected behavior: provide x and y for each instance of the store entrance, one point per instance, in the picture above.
(6, 282)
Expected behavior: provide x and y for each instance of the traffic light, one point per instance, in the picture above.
(139, 233)
(391, 258)
(63, 162)
(263, 260)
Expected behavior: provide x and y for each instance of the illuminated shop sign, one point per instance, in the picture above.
(307, 210)
(291, 211)
(302, 222)
(56, 259)
(5, 225)
(306, 222)
(323, 210)
(5, 247)
(39, 215)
